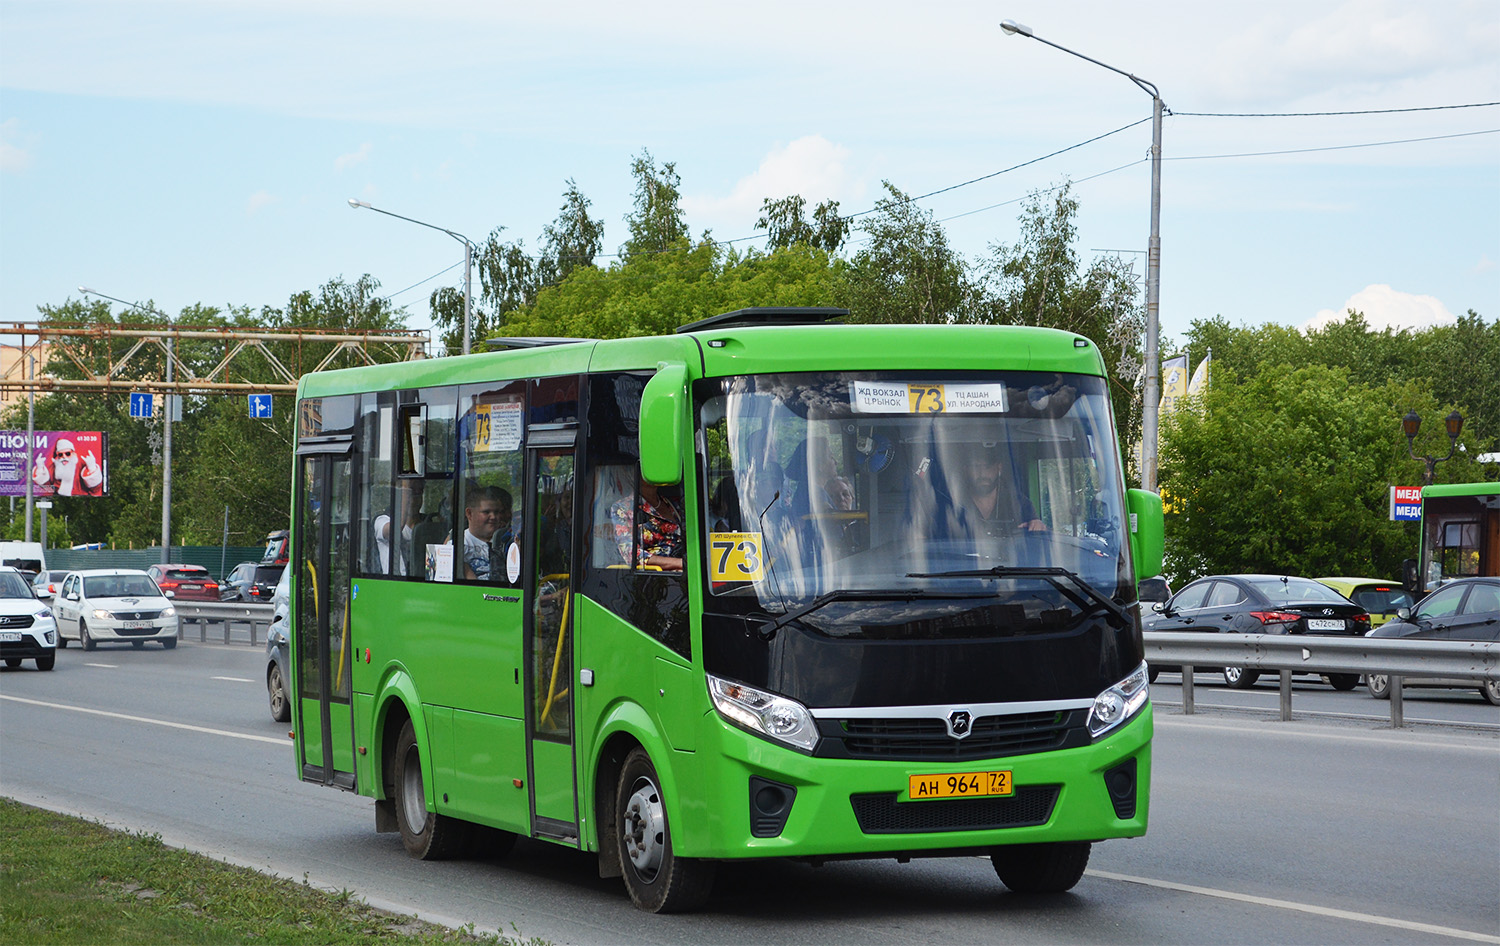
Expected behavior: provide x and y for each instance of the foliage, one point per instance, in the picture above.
(907, 272)
(657, 224)
(787, 224)
(1288, 472)
(572, 241)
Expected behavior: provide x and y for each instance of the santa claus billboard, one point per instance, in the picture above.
(59, 463)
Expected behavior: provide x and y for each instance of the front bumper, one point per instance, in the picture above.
(860, 808)
(31, 642)
(116, 630)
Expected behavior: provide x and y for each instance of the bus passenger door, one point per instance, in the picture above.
(324, 656)
(549, 626)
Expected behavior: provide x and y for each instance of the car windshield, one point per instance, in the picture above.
(1294, 589)
(861, 482)
(1382, 599)
(119, 586)
(13, 585)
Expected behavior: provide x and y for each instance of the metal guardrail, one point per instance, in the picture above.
(230, 614)
(1297, 653)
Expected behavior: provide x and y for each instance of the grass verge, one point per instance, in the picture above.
(66, 880)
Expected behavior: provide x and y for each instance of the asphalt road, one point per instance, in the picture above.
(1324, 829)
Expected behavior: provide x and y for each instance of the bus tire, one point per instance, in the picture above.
(1041, 868)
(426, 835)
(658, 880)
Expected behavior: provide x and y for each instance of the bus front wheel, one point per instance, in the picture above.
(425, 834)
(1041, 868)
(658, 880)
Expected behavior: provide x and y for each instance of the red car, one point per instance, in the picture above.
(187, 582)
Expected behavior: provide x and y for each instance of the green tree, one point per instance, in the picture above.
(787, 224)
(1288, 472)
(657, 223)
(907, 272)
(573, 240)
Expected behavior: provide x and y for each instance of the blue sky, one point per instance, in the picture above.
(189, 151)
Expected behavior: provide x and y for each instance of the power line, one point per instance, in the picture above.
(1367, 111)
(1368, 144)
(421, 281)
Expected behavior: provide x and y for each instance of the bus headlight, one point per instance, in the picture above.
(766, 713)
(1119, 703)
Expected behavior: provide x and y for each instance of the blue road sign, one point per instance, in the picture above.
(260, 406)
(140, 404)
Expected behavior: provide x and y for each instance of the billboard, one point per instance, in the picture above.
(59, 463)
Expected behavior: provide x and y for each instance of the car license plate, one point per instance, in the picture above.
(136, 625)
(10, 636)
(189, 587)
(1324, 624)
(959, 785)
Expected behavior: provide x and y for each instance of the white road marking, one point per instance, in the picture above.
(143, 719)
(234, 679)
(1303, 908)
(105, 666)
(1405, 739)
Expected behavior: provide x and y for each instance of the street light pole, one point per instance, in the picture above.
(1152, 393)
(1412, 422)
(166, 430)
(468, 256)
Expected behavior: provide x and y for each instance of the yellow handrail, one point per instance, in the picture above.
(562, 635)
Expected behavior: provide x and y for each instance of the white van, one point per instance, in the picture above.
(23, 556)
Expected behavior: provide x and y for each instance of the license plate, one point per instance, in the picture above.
(959, 785)
(1324, 624)
(136, 625)
(12, 636)
(189, 587)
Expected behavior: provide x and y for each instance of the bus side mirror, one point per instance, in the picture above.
(663, 427)
(1146, 531)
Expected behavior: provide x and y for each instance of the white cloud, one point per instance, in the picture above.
(1384, 307)
(1484, 265)
(812, 167)
(258, 200)
(13, 157)
(359, 156)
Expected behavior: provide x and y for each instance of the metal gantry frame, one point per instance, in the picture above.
(46, 341)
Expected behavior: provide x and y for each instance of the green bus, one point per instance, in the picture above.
(1460, 535)
(770, 587)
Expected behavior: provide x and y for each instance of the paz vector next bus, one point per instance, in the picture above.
(766, 588)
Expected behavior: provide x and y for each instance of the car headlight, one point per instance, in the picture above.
(1119, 703)
(168, 612)
(44, 614)
(766, 713)
(102, 615)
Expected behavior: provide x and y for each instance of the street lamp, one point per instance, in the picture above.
(468, 254)
(166, 430)
(1411, 423)
(1152, 393)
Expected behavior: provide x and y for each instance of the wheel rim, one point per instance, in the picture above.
(278, 692)
(644, 825)
(1378, 682)
(413, 806)
(1232, 674)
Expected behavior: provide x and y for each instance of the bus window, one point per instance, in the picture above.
(491, 468)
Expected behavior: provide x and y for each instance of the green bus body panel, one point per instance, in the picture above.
(1460, 489)
(309, 733)
(552, 779)
(489, 758)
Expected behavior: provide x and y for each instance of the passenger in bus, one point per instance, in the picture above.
(995, 511)
(659, 540)
(487, 513)
(409, 501)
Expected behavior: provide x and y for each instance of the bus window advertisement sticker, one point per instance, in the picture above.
(497, 427)
(513, 563)
(440, 562)
(735, 556)
(881, 398)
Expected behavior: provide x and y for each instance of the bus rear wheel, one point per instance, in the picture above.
(425, 834)
(658, 880)
(1041, 868)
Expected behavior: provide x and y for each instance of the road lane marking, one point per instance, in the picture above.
(105, 666)
(1315, 715)
(1330, 912)
(1343, 735)
(144, 719)
(234, 679)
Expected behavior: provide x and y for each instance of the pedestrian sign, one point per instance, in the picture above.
(260, 406)
(140, 404)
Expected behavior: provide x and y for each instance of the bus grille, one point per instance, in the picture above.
(928, 739)
(881, 814)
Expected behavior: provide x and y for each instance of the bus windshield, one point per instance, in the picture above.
(820, 483)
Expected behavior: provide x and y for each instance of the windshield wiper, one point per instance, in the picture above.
(769, 630)
(1051, 574)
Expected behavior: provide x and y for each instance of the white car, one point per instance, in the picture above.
(113, 604)
(27, 631)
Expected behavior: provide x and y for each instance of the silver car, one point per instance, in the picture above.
(113, 604)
